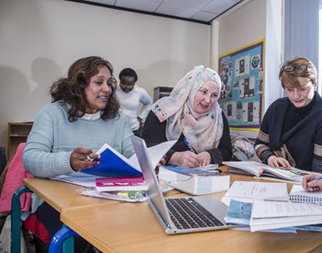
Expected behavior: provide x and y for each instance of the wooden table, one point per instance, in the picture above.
(61, 195)
(128, 227)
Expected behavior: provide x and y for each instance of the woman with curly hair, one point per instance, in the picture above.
(81, 118)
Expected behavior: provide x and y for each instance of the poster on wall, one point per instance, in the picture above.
(242, 96)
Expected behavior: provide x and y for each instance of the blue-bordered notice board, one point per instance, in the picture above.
(241, 72)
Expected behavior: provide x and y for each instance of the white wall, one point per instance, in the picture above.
(255, 20)
(40, 39)
(244, 26)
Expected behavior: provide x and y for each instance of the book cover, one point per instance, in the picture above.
(120, 184)
(113, 164)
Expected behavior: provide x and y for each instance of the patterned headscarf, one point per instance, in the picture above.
(202, 131)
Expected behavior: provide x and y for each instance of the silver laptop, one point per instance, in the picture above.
(179, 215)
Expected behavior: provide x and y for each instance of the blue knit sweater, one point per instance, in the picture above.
(53, 138)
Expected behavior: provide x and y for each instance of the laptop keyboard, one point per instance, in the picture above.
(187, 213)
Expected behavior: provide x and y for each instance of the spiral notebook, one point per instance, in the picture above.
(298, 194)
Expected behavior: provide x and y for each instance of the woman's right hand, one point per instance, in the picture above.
(80, 159)
(186, 159)
(310, 185)
(275, 162)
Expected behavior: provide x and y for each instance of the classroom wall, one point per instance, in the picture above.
(254, 21)
(244, 26)
(40, 39)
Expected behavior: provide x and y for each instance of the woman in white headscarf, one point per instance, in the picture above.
(191, 115)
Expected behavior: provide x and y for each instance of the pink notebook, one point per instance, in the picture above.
(120, 184)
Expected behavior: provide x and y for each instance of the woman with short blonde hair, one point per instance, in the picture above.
(291, 131)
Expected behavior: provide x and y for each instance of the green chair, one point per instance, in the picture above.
(16, 219)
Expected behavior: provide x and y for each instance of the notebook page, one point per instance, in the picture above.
(298, 194)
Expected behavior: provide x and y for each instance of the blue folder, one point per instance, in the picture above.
(112, 166)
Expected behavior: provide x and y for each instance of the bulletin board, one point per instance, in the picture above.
(242, 96)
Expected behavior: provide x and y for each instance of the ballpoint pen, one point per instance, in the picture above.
(185, 140)
(317, 179)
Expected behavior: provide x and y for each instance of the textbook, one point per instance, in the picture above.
(298, 194)
(120, 184)
(195, 181)
(114, 164)
(254, 168)
(210, 170)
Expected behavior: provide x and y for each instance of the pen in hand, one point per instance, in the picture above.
(317, 179)
(312, 185)
(185, 140)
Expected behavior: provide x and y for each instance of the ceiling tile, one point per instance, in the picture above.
(108, 2)
(197, 10)
(204, 16)
(218, 6)
(194, 4)
(181, 8)
(142, 5)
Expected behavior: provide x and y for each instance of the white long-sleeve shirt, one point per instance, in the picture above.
(130, 103)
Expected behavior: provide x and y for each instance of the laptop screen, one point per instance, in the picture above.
(154, 191)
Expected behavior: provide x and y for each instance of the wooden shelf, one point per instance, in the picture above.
(17, 133)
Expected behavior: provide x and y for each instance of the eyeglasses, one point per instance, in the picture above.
(303, 68)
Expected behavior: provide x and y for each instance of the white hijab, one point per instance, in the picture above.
(202, 131)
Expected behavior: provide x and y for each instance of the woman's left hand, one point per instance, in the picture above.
(204, 159)
(157, 168)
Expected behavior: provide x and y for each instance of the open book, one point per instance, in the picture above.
(114, 164)
(254, 168)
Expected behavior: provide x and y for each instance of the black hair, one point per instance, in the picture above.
(128, 72)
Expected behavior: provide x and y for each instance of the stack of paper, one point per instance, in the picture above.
(248, 191)
(271, 215)
(240, 213)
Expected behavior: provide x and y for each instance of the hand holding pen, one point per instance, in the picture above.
(203, 158)
(83, 158)
(312, 182)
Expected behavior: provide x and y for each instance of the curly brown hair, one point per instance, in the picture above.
(71, 89)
